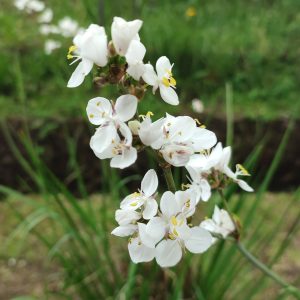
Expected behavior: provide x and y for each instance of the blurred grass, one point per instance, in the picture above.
(254, 45)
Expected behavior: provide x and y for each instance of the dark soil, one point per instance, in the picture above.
(52, 139)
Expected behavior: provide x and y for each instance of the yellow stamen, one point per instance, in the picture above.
(166, 82)
(91, 116)
(175, 232)
(133, 204)
(242, 169)
(172, 236)
(174, 220)
(148, 115)
(191, 12)
(135, 194)
(71, 49)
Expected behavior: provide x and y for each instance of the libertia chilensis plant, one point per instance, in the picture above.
(163, 231)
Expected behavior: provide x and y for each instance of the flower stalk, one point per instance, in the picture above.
(261, 266)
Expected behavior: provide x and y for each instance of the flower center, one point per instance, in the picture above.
(71, 49)
(168, 80)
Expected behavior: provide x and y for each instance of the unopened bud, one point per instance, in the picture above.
(100, 81)
(111, 49)
(134, 126)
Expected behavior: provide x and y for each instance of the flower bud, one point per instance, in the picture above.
(134, 126)
(111, 49)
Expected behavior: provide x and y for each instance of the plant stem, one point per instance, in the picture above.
(169, 178)
(258, 264)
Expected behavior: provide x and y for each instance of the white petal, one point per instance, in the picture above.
(77, 77)
(163, 66)
(150, 209)
(135, 53)
(136, 71)
(149, 183)
(168, 94)
(93, 45)
(168, 204)
(123, 33)
(244, 185)
(168, 253)
(199, 241)
(126, 217)
(203, 139)
(125, 230)
(126, 107)
(149, 75)
(156, 228)
(205, 190)
(98, 109)
(177, 155)
(125, 160)
(132, 202)
(139, 252)
(151, 133)
(146, 239)
(102, 138)
(126, 133)
(209, 225)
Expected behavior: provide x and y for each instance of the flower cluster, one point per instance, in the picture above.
(163, 230)
(66, 27)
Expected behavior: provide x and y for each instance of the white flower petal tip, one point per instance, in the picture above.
(168, 253)
(199, 241)
(139, 252)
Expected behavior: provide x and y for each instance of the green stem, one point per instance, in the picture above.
(258, 264)
(169, 178)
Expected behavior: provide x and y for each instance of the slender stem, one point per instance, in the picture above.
(169, 178)
(258, 264)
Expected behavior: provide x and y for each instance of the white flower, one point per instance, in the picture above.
(217, 160)
(90, 47)
(150, 132)
(144, 198)
(106, 143)
(138, 251)
(172, 225)
(163, 80)
(100, 110)
(30, 6)
(123, 33)
(46, 29)
(46, 16)
(134, 57)
(68, 27)
(177, 138)
(51, 45)
(221, 223)
(197, 106)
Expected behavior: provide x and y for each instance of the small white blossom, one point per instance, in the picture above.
(46, 16)
(197, 106)
(144, 198)
(172, 232)
(46, 29)
(177, 139)
(90, 46)
(30, 6)
(221, 223)
(100, 110)
(108, 144)
(217, 160)
(123, 33)
(68, 27)
(51, 45)
(138, 251)
(163, 80)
